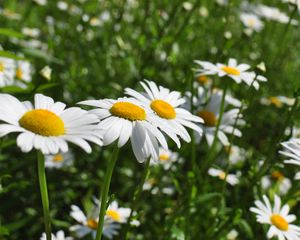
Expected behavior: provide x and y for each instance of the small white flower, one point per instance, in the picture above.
(46, 72)
(232, 179)
(23, 72)
(59, 160)
(60, 235)
(292, 151)
(117, 214)
(7, 71)
(47, 125)
(277, 101)
(251, 21)
(278, 217)
(166, 158)
(284, 184)
(31, 32)
(293, 2)
(232, 235)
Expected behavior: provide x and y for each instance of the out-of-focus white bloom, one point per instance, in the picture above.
(222, 2)
(232, 235)
(293, 2)
(166, 158)
(297, 176)
(7, 71)
(236, 154)
(284, 184)
(46, 72)
(232, 179)
(62, 5)
(203, 11)
(116, 213)
(251, 21)
(23, 71)
(31, 32)
(187, 6)
(277, 101)
(59, 160)
(10, 14)
(60, 235)
(41, 2)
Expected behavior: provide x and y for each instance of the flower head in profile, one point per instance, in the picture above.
(47, 125)
(168, 115)
(7, 71)
(23, 72)
(232, 179)
(251, 21)
(277, 217)
(88, 223)
(60, 235)
(166, 158)
(125, 119)
(238, 72)
(59, 160)
(278, 180)
(116, 213)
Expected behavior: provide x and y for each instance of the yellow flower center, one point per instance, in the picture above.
(58, 158)
(278, 176)
(92, 223)
(128, 111)
(43, 122)
(163, 109)
(164, 157)
(222, 175)
(1, 67)
(251, 22)
(19, 73)
(279, 222)
(203, 79)
(209, 118)
(231, 70)
(275, 101)
(113, 214)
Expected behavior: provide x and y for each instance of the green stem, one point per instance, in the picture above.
(136, 198)
(44, 193)
(211, 153)
(105, 190)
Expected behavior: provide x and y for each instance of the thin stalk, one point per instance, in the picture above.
(210, 156)
(44, 193)
(137, 197)
(105, 190)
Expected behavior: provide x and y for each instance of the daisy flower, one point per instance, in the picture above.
(59, 160)
(291, 149)
(47, 125)
(23, 71)
(238, 72)
(284, 184)
(60, 235)
(278, 217)
(7, 71)
(166, 158)
(125, 119)
(251, 21)
(277, 101)
(31, 32)
(88, 224)
(293, 2)
(232, 179)
(117, 214)
(210, 114)
(169, 117)
(236, 154)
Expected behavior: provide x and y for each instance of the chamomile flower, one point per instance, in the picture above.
(251, 21)
(238, 72)
(116, 213)
(166, 158)
(7, 71)
(210, 113)
(291, 149)
(87, 224)
(278, 217)
(23, 72)
(169, 117)
(60, 235)
(281, 182)
(48, 125)
(232, 179)
(236, 154)
(125, 119)
(277, 101)
(59, 160)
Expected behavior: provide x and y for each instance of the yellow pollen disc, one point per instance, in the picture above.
(163, 109)
(128, 111)
(1, 67)
(113, 214)
(222, 175)
(58, 158)
(19, 73)
(164, 157)
(92, 223)
(278, 176)
(276, 102)
(203, 79)
(251, 22)
(231, 70)
(279, 222)
(209, 118)
(43, 122)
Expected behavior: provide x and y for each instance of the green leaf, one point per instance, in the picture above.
(246, 228)
(208, 197)
(46, 86)
(11, 33)
(41, 54)
(10, 55)
(3, 231)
